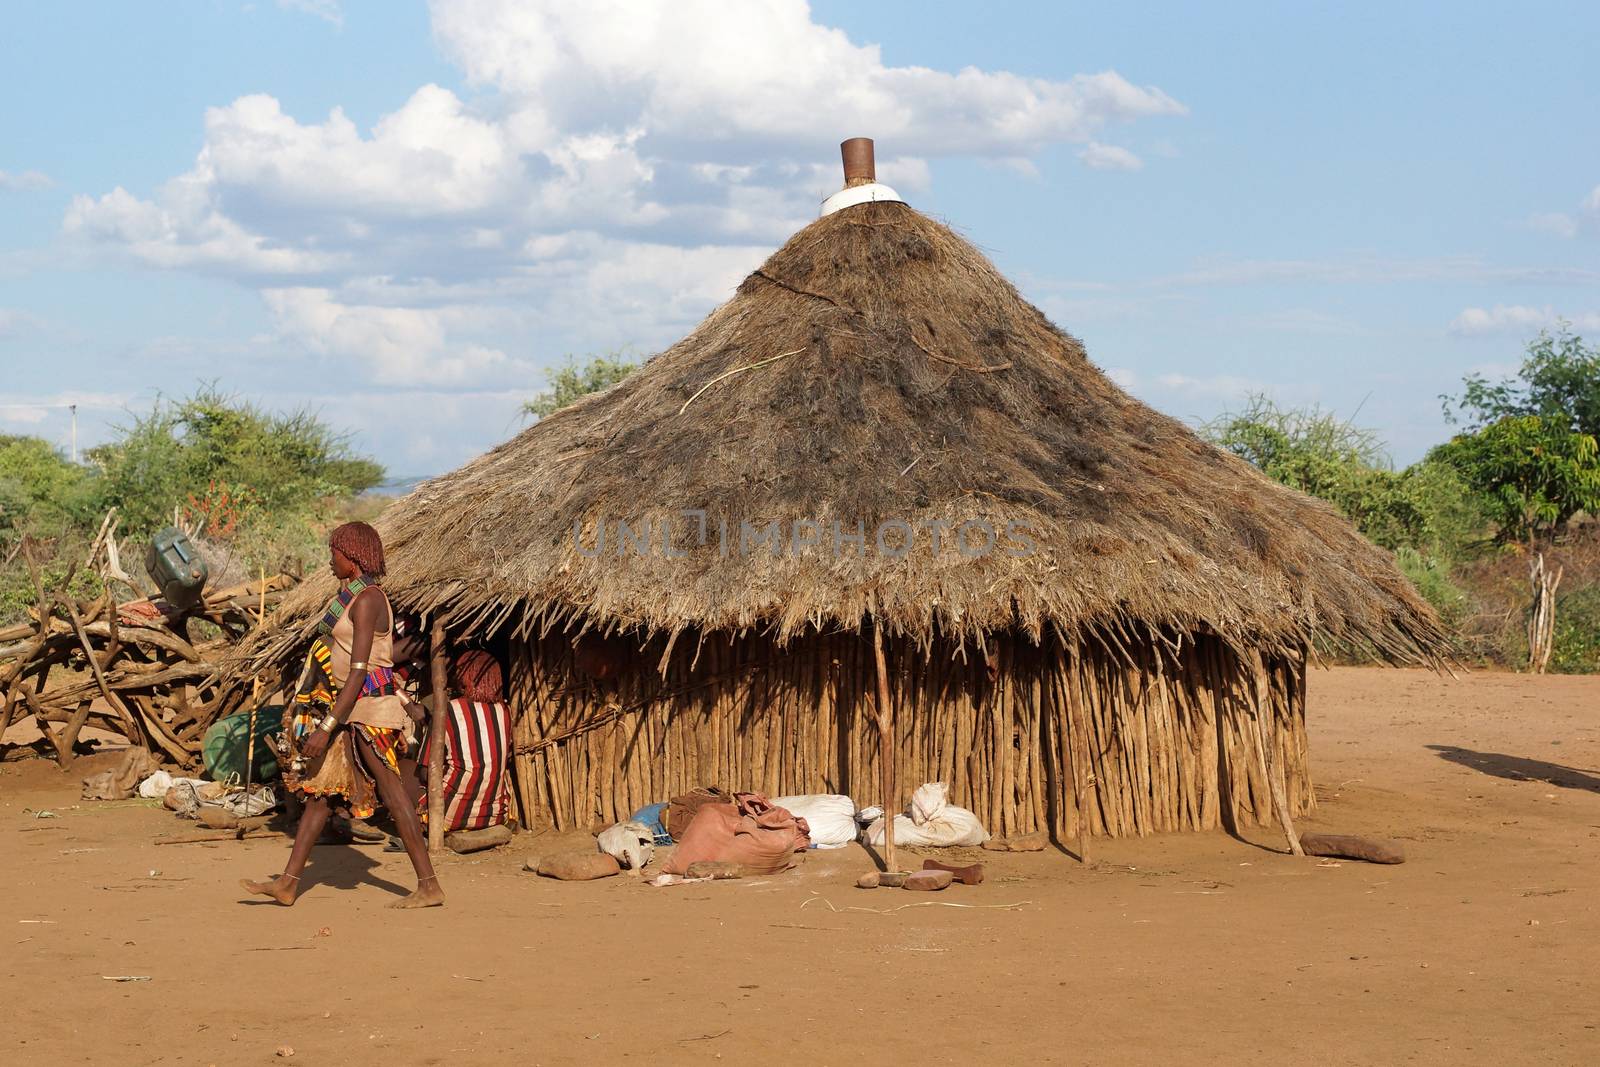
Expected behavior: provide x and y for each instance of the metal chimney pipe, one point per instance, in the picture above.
(859, 166)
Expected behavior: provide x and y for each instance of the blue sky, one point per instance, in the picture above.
(422, 207)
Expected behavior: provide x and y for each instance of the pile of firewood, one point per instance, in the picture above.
(132, 668)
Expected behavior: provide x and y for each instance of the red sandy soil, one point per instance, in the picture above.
(1178, 949)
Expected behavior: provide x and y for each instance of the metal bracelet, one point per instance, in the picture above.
(358, 665)
(329, 723)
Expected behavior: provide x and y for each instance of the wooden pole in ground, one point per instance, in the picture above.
(886, 766)
(1272, 765)
(436, 736)
(255, 700)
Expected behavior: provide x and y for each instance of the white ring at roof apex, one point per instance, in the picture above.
(860, 194)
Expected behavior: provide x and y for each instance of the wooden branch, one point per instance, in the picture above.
(134, 733)
(165, 640)
(157, 731)
(69, 736)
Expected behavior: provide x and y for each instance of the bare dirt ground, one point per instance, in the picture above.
(1178, 949)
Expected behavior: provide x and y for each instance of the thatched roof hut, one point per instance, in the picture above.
(877, 430)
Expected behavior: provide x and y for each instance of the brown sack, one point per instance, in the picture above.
(121, 782)
(681, 809)
(763, 840)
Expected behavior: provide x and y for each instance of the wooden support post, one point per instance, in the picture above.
(436, 741)
(1076, 727)
(255, 701)
(886, 755)
(1272, 765)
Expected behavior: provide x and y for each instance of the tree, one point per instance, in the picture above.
(213, 449)
(40, 489)
(571, 382)
(1424, 507)
(1534, 473)
(1559, 378)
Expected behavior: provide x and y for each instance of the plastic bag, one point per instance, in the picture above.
(155, 787)
(933, 821)
(630, 843)
(830, 817)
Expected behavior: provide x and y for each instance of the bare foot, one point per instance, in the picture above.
(283, 888)
(427, 895)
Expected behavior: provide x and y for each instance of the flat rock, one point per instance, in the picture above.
(971, 874)
(579, 866)
(928, 881)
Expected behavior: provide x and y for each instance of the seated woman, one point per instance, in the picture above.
(477, 735)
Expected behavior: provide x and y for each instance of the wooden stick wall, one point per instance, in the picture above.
(1160, 741)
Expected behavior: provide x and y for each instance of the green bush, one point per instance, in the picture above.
(211, 450)
(1426, 506)
(41, 491)
(17, 594)
(1577, 637)
(1431, 577)
(571, 382)
(261, 489)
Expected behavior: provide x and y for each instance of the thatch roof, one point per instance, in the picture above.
(877, 367)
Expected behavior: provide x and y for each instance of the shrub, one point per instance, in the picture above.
(1577, 637)
(225, 453)
(1432, 579)
(570, 382)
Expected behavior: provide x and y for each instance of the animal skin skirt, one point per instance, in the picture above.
(340, 772)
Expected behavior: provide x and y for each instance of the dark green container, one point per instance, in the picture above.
(223, 748)
(174, 564)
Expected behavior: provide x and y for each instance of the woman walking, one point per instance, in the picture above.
(352, 750)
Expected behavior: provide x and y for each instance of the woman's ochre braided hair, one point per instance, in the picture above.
(361, 545)
(477, 677)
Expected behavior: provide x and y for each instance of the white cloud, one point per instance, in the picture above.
(680, 124)
(761, 73)
(186, 230)
(1109, 157)
(1518, 319)
(1569, 225)
(618, 167)
(327, 10)
(24, 181)
(398, 344)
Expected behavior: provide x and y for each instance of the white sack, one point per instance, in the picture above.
(933, 821)
(830, 817)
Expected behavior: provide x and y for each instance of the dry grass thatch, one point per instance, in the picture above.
(877, 367)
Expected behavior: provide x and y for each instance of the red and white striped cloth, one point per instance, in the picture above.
(476, 785)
